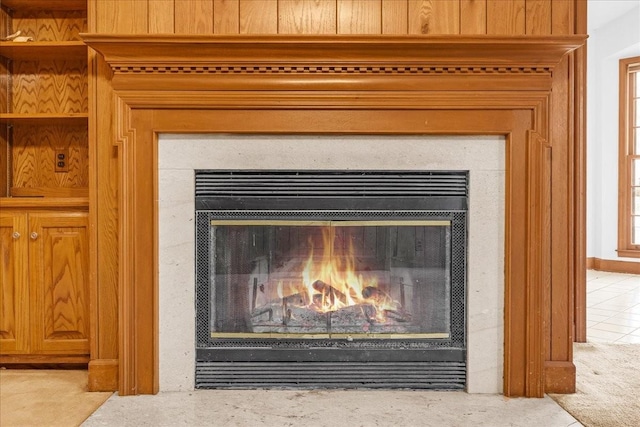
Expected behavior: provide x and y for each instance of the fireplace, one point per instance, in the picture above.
(517, 89)
(331, 278)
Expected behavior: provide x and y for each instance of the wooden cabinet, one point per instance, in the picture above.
(14, 292)
(44, 283)
(44, 181)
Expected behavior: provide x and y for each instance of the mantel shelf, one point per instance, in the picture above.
(34, 51)
(73, 119)
(462, 50)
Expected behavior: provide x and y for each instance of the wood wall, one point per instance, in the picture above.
(504, 17)
(432, 17)
(512, 17)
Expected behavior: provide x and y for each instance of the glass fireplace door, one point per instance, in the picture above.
(316, 279)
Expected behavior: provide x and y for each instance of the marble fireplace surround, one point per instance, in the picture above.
(180, 154)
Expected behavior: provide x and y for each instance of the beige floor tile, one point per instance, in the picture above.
(629, 339)
(621, 329)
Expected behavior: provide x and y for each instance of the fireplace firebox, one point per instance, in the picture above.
(331, 279)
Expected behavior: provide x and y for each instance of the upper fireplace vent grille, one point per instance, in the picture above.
(313, 184)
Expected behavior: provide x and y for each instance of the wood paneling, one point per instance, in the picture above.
(49, 87)
(509, 17)
(434, 16)
(50, 25)
(194, 16)
(259, 17)
(226, 16)
(14, 286)
(538, 17)
(33, 155)
(580, 160)
(359, 17)
(473, 16)
(562, 263)
(162, 17)
(121, 16)
(4, 161)
(394, 17)
(562, 17)
(506, 17)
(59, 254)
(307, 17)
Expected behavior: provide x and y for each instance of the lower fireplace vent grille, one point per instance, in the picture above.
(414, 375)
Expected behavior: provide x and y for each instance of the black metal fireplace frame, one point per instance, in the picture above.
(273, 362)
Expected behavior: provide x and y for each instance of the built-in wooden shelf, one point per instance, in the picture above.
(43, 202)
(45, 119)
(45, 4)
(60, 192)
(34, 51)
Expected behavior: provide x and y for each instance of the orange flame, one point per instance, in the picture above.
(330, 282)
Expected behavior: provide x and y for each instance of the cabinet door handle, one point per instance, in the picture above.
(16, 235)
(34, 235)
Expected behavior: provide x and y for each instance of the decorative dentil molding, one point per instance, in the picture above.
(326, 55)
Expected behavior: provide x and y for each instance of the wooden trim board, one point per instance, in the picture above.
(613, 266)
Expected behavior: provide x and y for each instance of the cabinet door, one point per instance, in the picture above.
(14, 287)
(58, 251)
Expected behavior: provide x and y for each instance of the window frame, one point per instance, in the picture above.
(629, 67)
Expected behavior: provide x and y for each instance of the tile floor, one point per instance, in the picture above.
(613, 307)
(613, 315)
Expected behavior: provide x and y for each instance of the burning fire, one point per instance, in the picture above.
(330, 282)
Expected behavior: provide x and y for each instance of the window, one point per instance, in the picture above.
(629, 166)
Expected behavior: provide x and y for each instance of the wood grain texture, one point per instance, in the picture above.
(107, 227)
(580, 121)
(60, 296)
(45, 4)
(103, 375)
(625, 267)
(562, 214)
(226, 16)
(560, 377)
(50, 25)
(4, 161)
(194, 16)
(473, 16)
(434, 16)
(49, 87)
(307, 17)
(33, 154)
(258, 16)
(562, 17)
(506, 17)
(394, 17)
(14, 284)
(359, 17)
(121, 16)
(161, 17)
(538, 17)
(5, 23)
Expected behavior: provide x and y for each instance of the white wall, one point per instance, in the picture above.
(617, 39)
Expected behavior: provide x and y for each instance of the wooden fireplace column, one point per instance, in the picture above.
(457, 85)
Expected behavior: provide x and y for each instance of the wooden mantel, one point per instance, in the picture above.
(356, 85)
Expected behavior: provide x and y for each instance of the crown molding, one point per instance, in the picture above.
(342, 54)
